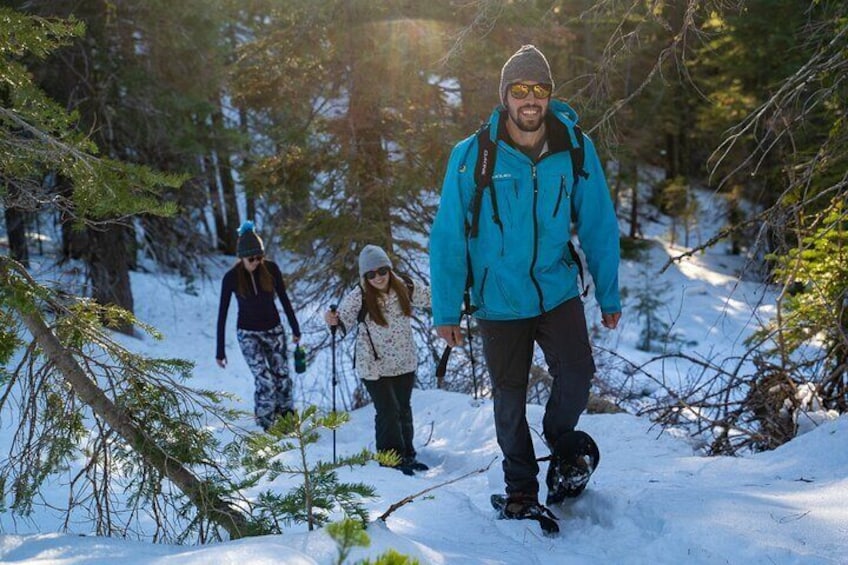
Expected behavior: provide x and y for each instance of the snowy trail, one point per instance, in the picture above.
(714, 509)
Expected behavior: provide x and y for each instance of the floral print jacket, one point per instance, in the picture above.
(394, 352)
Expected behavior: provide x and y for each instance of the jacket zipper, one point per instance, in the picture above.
(536, 241)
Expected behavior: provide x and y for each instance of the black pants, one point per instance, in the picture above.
(508, 347)
(393, 421)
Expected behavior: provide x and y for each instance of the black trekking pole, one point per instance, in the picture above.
(442, 368)
(471, 352)
(333, 349)
(466, 298)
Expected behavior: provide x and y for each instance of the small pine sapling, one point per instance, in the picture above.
(283, 450)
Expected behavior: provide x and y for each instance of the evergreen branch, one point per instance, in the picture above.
(159, 457)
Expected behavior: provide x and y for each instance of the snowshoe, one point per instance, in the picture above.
(525, 509)
(574, 458)
(414, 464)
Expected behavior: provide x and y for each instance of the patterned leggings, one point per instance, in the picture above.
(265, 353)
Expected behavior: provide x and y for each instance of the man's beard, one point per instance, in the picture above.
(528, 124)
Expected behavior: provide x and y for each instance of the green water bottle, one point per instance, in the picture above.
(299, 359)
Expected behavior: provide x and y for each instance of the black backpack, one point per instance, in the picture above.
(363, 312)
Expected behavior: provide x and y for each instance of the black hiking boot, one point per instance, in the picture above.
(525, 507)
(414, 464)
(403, 467)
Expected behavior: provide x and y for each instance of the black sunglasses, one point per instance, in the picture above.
(520, 91)
(382, 271)
(254, 259)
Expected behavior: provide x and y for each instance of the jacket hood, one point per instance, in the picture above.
(564, 113)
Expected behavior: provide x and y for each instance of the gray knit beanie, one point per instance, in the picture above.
(371, 258)
(527, 63)
(249, 244)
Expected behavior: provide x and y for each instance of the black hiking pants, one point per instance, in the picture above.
(508, 348)
(393, 421)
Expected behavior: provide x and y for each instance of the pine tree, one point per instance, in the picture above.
(77, 394)
(320, 492)
(815, 306)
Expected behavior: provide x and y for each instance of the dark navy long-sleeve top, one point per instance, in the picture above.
(256, 310)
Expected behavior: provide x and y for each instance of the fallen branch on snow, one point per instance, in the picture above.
(412, 497)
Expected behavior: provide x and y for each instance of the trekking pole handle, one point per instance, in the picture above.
(333, 309)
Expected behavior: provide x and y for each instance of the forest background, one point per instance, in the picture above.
(146, 132)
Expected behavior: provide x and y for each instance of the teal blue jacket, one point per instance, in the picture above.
(524, 268)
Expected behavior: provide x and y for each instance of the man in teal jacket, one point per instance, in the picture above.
(525, 285)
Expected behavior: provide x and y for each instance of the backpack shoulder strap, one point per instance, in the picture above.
(578, 156)
(578, 159)
(360, 322)
(486, 153)
(484, 168)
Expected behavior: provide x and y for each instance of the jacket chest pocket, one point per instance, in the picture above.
(562, 203)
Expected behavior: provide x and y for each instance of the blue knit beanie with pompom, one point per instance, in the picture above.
(249, 244)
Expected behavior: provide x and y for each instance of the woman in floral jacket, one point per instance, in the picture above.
(386, 356)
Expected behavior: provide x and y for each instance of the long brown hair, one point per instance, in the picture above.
(244, 286)
(372, 303)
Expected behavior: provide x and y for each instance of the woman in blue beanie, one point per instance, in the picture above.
(255, 281)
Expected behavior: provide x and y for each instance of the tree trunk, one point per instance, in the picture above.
(216, 203)
(74, 240)
(672, 150)
(250, 199)
(108, 267)
(366, 155)
(634, 202)
(16, 230)
(228, 187)
(616, 189)
(201, 494)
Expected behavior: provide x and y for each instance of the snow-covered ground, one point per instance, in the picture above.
(652, 500)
